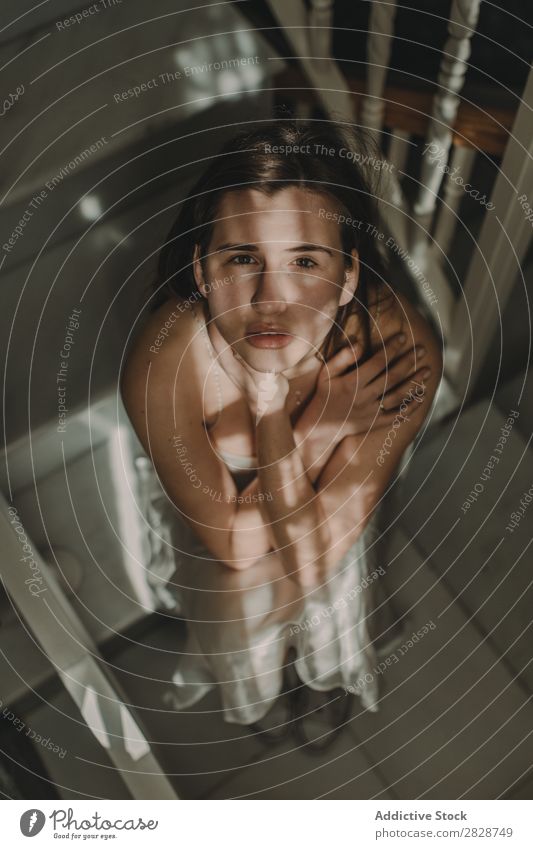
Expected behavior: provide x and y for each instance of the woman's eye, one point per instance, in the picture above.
(242, 259)
(309, 263)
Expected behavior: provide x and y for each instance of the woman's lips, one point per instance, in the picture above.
(269, 340)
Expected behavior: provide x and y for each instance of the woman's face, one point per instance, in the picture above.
(275, 274)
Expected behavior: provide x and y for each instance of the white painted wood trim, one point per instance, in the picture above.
(496, 262)
(379, 46)
(461, 164)
(461, 26)
(397, 156)
(321, 27)
(399, 149)
(323, 73)
(49, 615)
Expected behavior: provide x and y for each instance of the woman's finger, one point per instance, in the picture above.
(382, 419)
(344, 358)
(382, 359)
(409, 390)
(397, 374)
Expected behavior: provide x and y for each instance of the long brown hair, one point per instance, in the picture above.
(323, 157)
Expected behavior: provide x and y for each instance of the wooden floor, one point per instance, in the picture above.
(455, 715)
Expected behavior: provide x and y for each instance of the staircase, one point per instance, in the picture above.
(446, 91)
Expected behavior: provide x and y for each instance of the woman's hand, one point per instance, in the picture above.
(392, 377)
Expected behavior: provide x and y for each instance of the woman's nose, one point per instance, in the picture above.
(268, 295)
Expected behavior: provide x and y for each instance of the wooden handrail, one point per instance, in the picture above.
(485, 128)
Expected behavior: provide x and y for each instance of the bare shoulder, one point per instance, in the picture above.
(390, 313)
(398, 314)
(401, 315)
(405, 317)
(165, 333)
(160, 351)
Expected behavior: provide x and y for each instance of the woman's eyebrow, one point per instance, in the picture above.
(238, 247)
(311, 248)
(241, 247)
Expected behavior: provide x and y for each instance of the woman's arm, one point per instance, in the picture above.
(316, 439)
(342, 404)
(347, 400)
(314, 530)
(163, 405)
(165, 411)
(295, 515)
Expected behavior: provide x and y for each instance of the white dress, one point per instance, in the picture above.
(240, 624)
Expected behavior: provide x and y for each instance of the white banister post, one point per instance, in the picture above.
(323, 73)
(463, 20)
(497, 256)
(379, 46)
(321, 27)
(48, 613)
(399, 149)
(461, 165)
(320, 21)
(397, 156)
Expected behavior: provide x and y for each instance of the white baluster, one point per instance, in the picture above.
(463, 20)
(399, 149)
(320, 21)
(304, 108)
(379, 45)
(330, 86)
(321, 27)
(496, 264)
(397, 156)
(461, 165)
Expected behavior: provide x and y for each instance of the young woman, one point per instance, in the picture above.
(281, 377)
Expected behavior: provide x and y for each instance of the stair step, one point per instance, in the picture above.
(457, 509)
(519, 390)
(452, 724)
(290, 772)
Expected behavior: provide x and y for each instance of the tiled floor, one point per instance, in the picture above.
(208, 757)
(451, 722)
